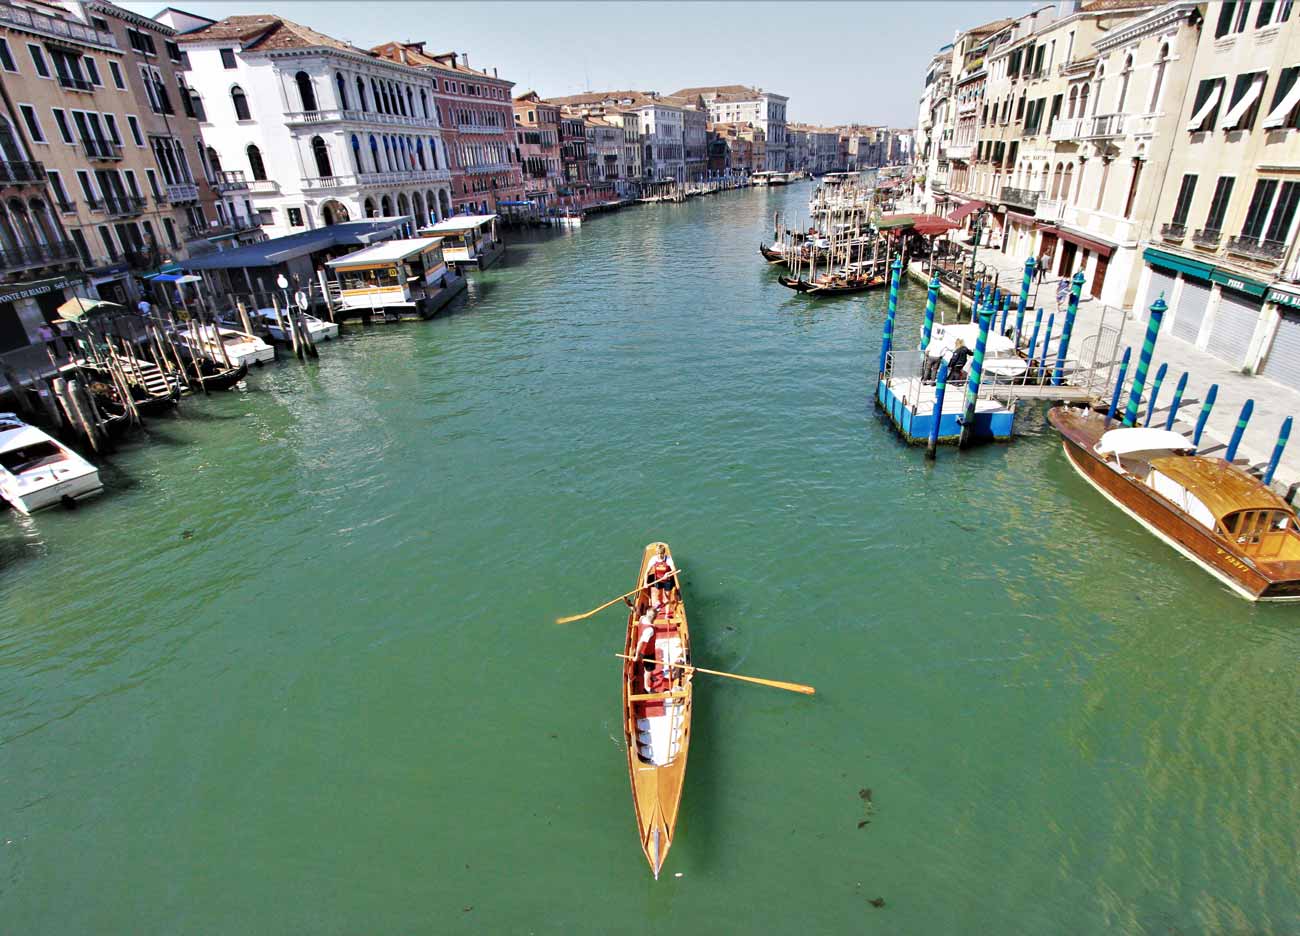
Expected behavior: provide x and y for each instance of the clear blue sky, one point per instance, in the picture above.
(838, 62)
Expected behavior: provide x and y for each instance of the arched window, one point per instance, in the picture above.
(1066, 181)
(255, 164)
(214, 160)
(305, 91)
(1083, 101)
(356, 154)
(388, 154)
(374, 153)
(343, 91)
(424, 103)
(370, 207)
(433, 153)
(410, 103)
(1123, 84)
(322, 154)
(1074, 99)
(1056, 181)
(419, 153)
(241, 103)
(1157, 83)
(380, 104)
(361, 94)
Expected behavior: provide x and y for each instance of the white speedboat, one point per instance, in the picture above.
(241, 347)
(37, 471)
(318, 329)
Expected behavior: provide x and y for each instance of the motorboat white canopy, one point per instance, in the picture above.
(391, 251)
(943, 341)
(1138, 439)
(459, 224)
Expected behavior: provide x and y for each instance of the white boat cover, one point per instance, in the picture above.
(1125, 441)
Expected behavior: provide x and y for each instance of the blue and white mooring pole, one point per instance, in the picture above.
(1278, 446)
(1178, 401)
(940, 386)
(1071, 310)
(930, 300)
(1210, 396)
(1119, 385)
(1030, 263)
(1231, 454)
(973, 382)
(1155, 392)
(1144, 360)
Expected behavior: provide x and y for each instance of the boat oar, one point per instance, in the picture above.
(579, 617)
(774, 683)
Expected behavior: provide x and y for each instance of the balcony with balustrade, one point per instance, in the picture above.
(1064, 129)
(182, 192)
(1257, 249)
(1049, 209)
(1174, 233)
(264, 187)
(21, 173)
(1102, 127)
(376, 179)
(1020, 197)
(1208, 238)
(960, 150)
(336, 115)
(231, 182)
(75, 83)
(36, 255)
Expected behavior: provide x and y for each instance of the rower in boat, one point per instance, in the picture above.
(661, 566)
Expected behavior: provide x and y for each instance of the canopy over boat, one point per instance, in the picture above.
(1135, 439)
(1222, 487)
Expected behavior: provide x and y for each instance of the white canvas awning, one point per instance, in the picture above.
(1210, 102)
(1277, 116)
(1251, 95)
(1126, 441)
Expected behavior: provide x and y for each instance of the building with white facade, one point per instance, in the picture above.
(742, 104)
(324, 130)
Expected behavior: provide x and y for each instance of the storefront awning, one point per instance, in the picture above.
(1096, 246)
(1238, 282)
(965, 210)
(931, 225)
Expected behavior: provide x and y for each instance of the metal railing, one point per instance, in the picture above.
(13, 173)
(117, 206)
(1207, 237)
(13, 258)
(1173, 232)
(1021, 197)
(74, 83)
(101, 149)
(1270, 251)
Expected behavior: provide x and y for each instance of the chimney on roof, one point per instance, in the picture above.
(465, 56)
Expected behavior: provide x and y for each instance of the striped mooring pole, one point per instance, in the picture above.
(1006, 313)
(1208, 405)
(1119, 385)
(1246, 409)
(1178, 401)
(1047, 339)
(1071, 310)
(1278, 446)
(1030, 263)
(1155, 392)
(940, 386)
(930, 300)
(887, 343)
(1144, 360)
(978, 300)
(973, 382)
(1038, 324)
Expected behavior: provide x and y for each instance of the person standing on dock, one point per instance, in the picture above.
(957, 362)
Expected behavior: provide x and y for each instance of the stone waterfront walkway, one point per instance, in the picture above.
(1273, 402)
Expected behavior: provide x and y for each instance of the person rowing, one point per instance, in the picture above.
(657, 577)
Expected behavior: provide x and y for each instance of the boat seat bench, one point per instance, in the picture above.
(648, 696)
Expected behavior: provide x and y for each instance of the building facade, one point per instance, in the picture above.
(537, 134)
(325, 131)
(475, 110)
(742, 104)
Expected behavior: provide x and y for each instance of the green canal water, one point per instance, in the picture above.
(297, 671)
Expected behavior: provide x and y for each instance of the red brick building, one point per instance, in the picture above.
(476, 110)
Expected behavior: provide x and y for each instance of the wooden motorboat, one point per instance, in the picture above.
(208, 341)
(1214, 513)
(37, 471)
(152, 391)
(274, 321)
(657, 716)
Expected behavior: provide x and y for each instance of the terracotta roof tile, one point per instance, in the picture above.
(264, 32)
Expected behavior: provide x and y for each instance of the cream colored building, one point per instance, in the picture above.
(1223, 249)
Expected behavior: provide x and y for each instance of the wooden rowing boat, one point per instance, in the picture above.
(657, 718)
(1217, 515)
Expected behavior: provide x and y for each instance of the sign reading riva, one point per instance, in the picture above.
(1291, 300)
(39, 288)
